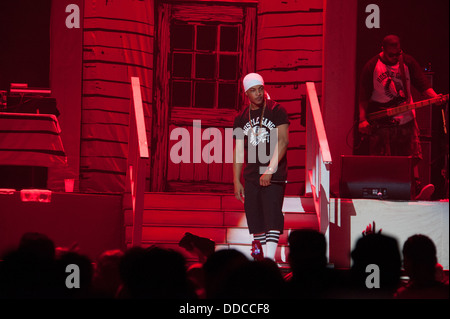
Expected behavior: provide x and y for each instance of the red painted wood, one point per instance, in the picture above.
(182, 201)
(174, 234)
(292, 220)
(178, 217)
(269, 5)
(289, 18)
(229, 202)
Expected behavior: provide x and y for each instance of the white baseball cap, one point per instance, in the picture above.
(251, 80)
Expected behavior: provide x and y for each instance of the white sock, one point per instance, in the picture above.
(272, 238)
(271, 250)
(264, 247)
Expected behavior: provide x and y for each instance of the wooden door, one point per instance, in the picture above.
(203, 51)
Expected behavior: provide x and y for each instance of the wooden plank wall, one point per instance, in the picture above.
(289, 54)
(117, 44)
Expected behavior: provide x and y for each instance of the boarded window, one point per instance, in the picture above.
(205, 59)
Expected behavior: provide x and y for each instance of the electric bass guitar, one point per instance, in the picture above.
(388, 111)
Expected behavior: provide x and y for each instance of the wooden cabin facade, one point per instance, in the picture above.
(191, 57)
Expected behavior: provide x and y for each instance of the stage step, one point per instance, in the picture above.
(219, 217)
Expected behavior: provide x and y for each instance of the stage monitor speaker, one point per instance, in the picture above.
(23, 177)
(382, 177)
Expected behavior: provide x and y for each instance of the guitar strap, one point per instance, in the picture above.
(403, 74)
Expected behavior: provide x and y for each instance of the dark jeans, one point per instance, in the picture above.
(263, 207)
(396, 140)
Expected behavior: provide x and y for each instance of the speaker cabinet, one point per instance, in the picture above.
(23, 177)
(382, 177)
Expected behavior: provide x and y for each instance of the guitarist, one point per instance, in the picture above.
(386, 81)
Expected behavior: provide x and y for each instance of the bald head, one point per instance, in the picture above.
(391, 42)
(391, 50)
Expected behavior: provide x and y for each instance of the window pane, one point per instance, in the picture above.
(205, 66)
(182, 65)
(206, 37)
(227, 95)
(229, 39)
(182, 36)
(181, 94)
(204, 94)
(228, 67)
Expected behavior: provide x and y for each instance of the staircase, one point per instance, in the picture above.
(219, 217)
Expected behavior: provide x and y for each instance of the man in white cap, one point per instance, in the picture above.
(264, 125)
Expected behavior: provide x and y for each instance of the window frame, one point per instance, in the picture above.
(218, 54)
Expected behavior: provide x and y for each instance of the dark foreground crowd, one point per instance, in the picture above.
(38, 269)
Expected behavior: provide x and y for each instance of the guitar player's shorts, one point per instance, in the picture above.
(396, 140)
(263, 207)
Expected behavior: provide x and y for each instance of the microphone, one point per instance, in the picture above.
(278, 182)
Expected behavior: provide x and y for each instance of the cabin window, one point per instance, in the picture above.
(205, 64)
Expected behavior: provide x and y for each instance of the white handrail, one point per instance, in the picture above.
(139, 117)
(318, 159)
(318, 122)
(138, 157)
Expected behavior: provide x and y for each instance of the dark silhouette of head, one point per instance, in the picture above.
(30, 270)
(218, 268)
(307, 250)
(255, 280)
(37, 245)
(419, 258)
(382, 251)
(154, 272)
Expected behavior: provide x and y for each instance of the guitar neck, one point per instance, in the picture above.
(404, 108)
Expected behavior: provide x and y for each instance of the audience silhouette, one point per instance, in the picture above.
(38, 270)
(106, 279)
(381, 251)
(310, 277)
(254, 279)
(218, 268)
(30, 271)
(154, 272)
(420, 264)
(84, 264)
